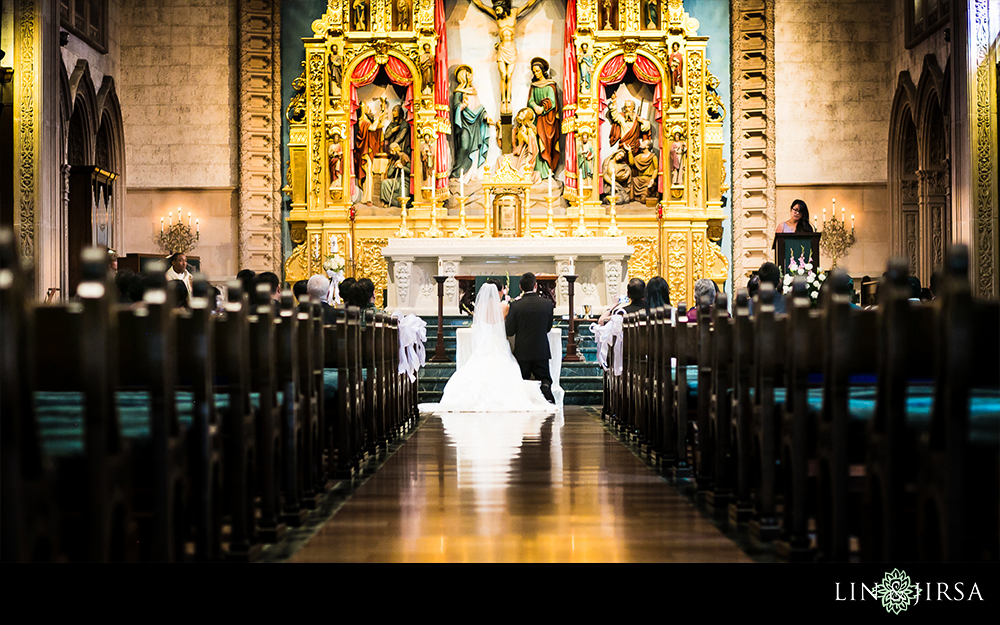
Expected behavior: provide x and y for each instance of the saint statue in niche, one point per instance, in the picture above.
(652, 14)
(336, 70)
(396, 175)
(358, 9)
(398, 130)
(676, 68)
(542, 100)
(470, 126)
(616, 166)
(403, 12)
(678, 152)
(506, 49)
(606, 7)
(645, 167)
(626, 127)
(367, 143)
(585, 160)
(427, 160)
(427, 69)
(336, 156)
(526, 144)
(586, 61)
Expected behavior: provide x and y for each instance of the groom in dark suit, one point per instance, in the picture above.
(529, 321)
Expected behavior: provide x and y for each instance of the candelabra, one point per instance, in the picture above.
(462, 231)
(404, 231)
(178, 238)
(836, 240)
(434, 232)
(488, 227)
(550, 229)
(527, 221)
(613, 230)
(581, 228)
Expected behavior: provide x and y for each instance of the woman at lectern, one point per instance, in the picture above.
(799, 221)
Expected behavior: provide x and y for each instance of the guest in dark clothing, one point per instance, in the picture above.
(136, 288)
(180, 293)
(299, 289)
(770, 273)
(344, 289)
(122, 280)
(363, 294)
(657, 293)
(753, 286)
(272, 281)
(318, 289)
(636, 290)
(702, 288)
(246, 278)
(914, 288)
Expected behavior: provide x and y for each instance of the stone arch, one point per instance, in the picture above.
(110, 155)
(934, 192)
(903, 165)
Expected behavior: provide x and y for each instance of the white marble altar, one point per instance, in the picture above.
(600, 262)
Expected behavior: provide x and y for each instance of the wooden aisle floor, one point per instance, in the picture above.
(517, 488)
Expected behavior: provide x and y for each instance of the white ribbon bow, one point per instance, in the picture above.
(604, 336)
(412, 336)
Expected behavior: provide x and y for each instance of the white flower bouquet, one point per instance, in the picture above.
(806, 269)
(334, 263)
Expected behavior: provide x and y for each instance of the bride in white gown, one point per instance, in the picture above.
(490, 380)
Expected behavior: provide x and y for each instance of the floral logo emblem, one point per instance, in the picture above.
(896, 592)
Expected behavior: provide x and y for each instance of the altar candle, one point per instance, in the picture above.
(171, 216)
(178, 216)
(189, 220)
(197, 225)
(550, 185)
(852, 223)
(402, 186)
(614, 178)
(161, 225)
(461, 183)
(843, 215)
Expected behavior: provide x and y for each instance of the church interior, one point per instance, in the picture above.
(777, 387)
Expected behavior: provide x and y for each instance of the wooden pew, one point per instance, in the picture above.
(667, 427)
(30, 515)
(310, 324)
(654, 382)
(75, 370)
(768, 375)
(196, 373)
(264, 388)
(718, 435)
(686, 350)
(850, 353)
(741, 419)
(902, 415)
(371, 355)
(243, 460)
(957, 484)
(290, 399)
(701, 396)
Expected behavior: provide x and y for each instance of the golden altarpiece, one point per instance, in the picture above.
(387, 45)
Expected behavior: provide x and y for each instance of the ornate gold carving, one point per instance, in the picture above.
(317, 66)
(25, 86)
(297, 265)
(698, 256)
(694, 89)
(296, 110)
(644, 261)
(984, 145)
(717, 265)
(371, 264)
(677, 266)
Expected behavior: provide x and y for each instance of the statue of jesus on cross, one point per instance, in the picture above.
(506, 51)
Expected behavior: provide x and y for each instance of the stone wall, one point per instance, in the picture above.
(101, 65)
(179, 103)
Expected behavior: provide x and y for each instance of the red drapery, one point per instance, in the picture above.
(569, 93)
(645, 70)
(442, 161)
(364, 74)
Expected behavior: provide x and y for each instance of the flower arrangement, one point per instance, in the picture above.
(806, 269)
(334, 263)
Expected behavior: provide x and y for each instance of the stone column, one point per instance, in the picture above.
(565, 265)
(448, 267)
(399, 297)
(612, 278)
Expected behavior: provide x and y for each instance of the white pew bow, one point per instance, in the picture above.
(604, 336)
(412, 336)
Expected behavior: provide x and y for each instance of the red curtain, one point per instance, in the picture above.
(442, 162)
(569, 93)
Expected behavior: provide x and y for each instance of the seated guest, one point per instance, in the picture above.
(363, 294)
(753, 286)
(657, 293)
(181, 293)
(216, 298)
(137, 288)
(273, 283)
(770, 274)
(122, 280)
(178, 270)
(702, 288)
(344, 290)
(318, 287)
(246, 278)
(637, 301)
(299, 289)
(914, 288)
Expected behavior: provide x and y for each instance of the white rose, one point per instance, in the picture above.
(815, 294)
(809, 266)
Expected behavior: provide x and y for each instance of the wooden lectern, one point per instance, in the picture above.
(792, 245)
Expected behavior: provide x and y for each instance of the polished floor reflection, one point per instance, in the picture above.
(517, 488)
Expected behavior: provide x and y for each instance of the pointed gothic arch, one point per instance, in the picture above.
(903, 166)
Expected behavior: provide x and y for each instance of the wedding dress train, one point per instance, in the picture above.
(490, 380)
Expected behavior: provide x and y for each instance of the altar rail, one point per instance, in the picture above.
(878, 428)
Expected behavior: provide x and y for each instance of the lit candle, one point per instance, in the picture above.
(852, 223)
(161, 225)
(824, 214)
(178, 216)
(433, 189)
(197, 223)
(171, 224)
(402, 180)
(843, 215)
(550, 185)
(461, 183)
(189, 220)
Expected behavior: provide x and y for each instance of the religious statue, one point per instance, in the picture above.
(526, 144)
(367, 143)
(358, 8)
(606, 6)
(427, 69)
(336, 156)
(678, 151)
(398, 130)
(506, 50)
(625, 125)
(652, 14)
(616, 167)
(403, 12)
(428, 150)
(336, 70)
(396, 175)
(470, 126)
(645, 168)
(542, 100)
(585, 160)
(586, 61)
(676, 68)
